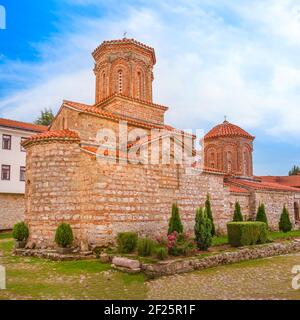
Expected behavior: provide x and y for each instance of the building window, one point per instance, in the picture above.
(5, 172)
(6, 142)
(103, 85)
(120, 81)
(22, 140)
(22, 173)
(139, 86)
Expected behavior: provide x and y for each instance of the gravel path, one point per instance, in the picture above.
(260, 279)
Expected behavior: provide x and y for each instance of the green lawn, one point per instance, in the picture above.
(5, 236)
(34, 278)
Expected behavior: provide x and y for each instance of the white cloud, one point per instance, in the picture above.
(239, 60)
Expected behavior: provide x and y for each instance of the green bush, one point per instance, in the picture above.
(145, 247)
(64, 235)
(20, 231)
(247, 233)
(261, 214)
(237, 217)
(161, 253)
(127, 242)
(210, 215)
(285, 224)
(202, 230)
(175, 223)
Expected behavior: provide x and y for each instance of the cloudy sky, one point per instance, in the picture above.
(214, 58)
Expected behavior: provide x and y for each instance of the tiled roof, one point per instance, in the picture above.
(227, 129)
(22, 125)
(235, 189)
(126, 41)
(116, 95)
(58, 135)
(292, 181)
(257, 185)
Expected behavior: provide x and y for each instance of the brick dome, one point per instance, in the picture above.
(227, 129)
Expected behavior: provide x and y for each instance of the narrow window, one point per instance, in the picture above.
(120, 81)
(6, 142)
(139, 86)
(22, 140)
(5, 172)
(22, 173)
(103, 85)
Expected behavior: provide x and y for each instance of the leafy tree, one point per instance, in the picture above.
(46, 118)
(202, 230)
(210, 215)
(261, 214)
(285, 224)
(295, 171)
(237, 217)
(175, 223)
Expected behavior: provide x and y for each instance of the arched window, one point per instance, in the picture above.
(120, 81)
(139, 85)
(64, 124)
(103, 85)
(296, 212)
(245, 164)
(229, 163)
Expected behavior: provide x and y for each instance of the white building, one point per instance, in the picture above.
(12, 169)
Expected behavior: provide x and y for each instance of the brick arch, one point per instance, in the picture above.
(246, 161)
(230, 157)
(211, 156)
(120, 65)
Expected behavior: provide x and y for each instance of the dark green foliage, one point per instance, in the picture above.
(45, 118)
(295, 170)
(210, 215)
(203, 230)
(161, 253)
(20, 231)
(247, 233)
(237, 217)
(127, 242)
(64, 235)
(145, 247)
(261, 214)
(285, 224)
(175, 221)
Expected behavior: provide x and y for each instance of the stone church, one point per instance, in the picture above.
(91, 168)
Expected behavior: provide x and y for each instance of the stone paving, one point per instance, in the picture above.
(269, 278)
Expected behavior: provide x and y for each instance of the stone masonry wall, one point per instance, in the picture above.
(244, 201)
(12, 210)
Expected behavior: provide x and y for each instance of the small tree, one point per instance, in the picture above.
(285, 224)
(175, 223)
(237, 217)
(295, 170)
(46, 118)
(203, 228)
(64, 235)
(210, 215)
(261, 214)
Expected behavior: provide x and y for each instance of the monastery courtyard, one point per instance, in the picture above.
(34, 278)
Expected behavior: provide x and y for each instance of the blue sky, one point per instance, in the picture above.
(214, 58)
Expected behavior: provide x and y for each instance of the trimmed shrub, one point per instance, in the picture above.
(145, 247)
(175, 223)
(161, 253)
(285, 224)
(127, 242)
(210, 215)
(202, 230)
(247, 233)
(20, 231)
(64, 235)
(237, 216)
(261, 214)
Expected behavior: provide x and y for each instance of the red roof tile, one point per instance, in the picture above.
(227, 129)
(236, 189)
(58, 135)
(257, 185)
(22, 125)
(292, 181)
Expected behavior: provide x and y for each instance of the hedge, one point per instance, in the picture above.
(247, 233)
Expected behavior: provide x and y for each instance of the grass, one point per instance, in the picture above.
(288, 235)
(5, 236)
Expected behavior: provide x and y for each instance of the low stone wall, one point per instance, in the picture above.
(12, 210)
(166, 268)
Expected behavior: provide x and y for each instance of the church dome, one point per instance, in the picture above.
(227, 129)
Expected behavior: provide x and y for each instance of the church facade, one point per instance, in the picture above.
(117, 166)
